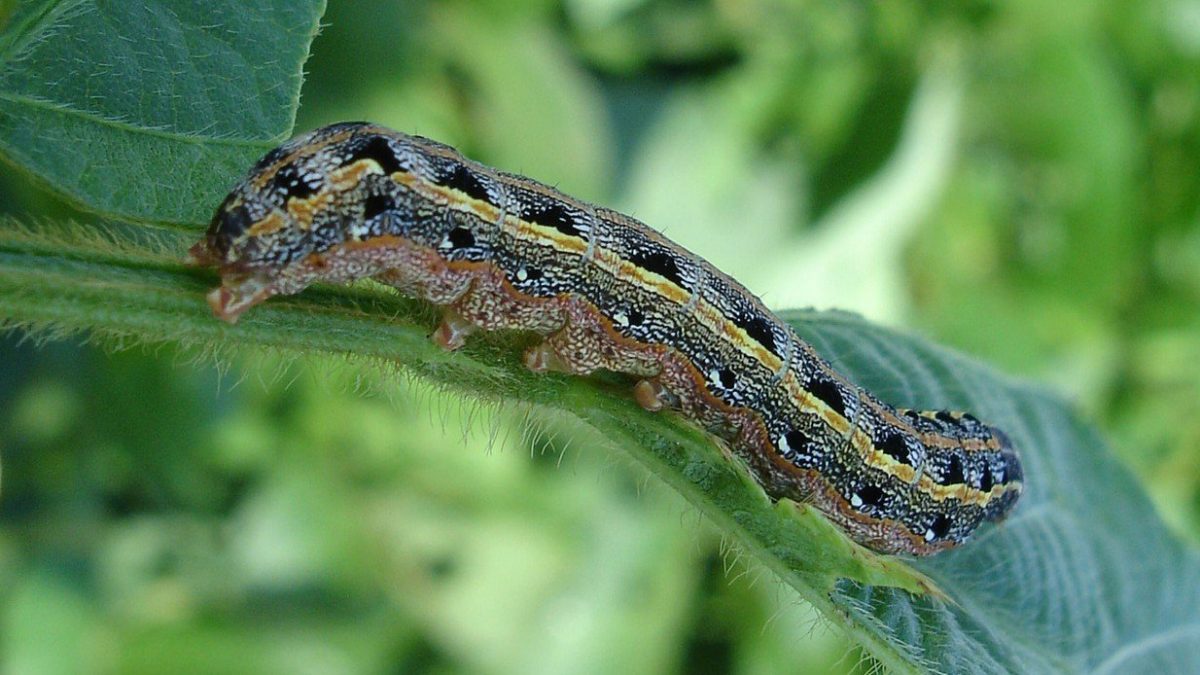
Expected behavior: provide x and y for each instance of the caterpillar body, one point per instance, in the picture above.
(500, 251)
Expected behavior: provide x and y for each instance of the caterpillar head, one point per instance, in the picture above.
(268, 235)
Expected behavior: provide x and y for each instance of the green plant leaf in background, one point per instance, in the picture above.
(148, 126)
(146, 110)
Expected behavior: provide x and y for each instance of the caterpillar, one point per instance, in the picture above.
(500, 251)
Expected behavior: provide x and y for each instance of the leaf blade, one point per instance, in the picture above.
(1051, 589)
(69, 116)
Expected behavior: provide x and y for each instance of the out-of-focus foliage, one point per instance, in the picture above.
(1017, 179)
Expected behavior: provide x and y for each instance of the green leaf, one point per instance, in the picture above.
(149, 110)
(1082, 577)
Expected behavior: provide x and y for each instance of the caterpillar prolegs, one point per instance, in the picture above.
(500, 251)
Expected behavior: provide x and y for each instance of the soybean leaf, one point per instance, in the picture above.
(145, 110)
(1083, 577)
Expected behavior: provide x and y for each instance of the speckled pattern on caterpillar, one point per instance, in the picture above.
(500, 251)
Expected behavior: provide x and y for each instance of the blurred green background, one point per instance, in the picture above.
(1017, 180)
